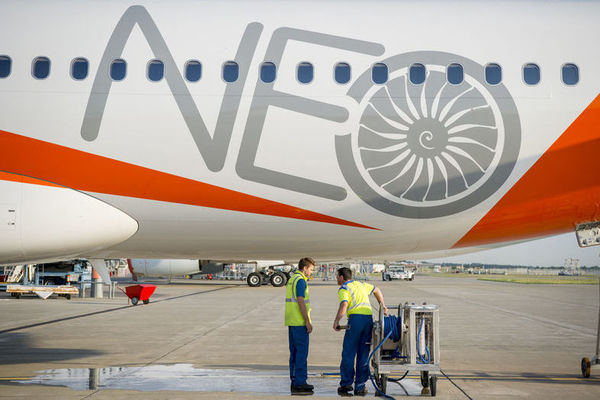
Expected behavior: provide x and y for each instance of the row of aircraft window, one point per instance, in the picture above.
(304, 71)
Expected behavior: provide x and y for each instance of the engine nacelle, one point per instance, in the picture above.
(42, 222)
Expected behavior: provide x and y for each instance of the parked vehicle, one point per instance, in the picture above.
(398, 272)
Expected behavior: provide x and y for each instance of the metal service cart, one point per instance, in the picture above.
(417, 349)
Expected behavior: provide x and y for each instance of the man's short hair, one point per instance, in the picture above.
(345, 272)
(305, 262)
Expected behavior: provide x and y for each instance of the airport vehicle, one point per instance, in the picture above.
(63, 273)
(398, 272)
(140, 135)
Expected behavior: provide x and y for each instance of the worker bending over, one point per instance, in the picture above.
(297, 319)
(354, 299)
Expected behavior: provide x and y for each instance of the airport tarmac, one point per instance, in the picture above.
(203, 339)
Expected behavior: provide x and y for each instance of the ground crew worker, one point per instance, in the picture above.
(354, 299)
(297, 319)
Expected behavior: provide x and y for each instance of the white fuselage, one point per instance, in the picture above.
(253, 170)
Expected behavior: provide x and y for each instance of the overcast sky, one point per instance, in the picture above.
(543, 252)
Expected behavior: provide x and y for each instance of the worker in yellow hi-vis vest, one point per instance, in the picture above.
(297, 319)
(354, 300)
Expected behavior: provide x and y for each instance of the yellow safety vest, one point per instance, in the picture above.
(358, 299)
(293, 317)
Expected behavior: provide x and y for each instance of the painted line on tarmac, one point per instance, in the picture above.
(54, 321)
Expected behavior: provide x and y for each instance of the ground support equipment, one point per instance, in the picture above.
(42, 291)
(415, 348)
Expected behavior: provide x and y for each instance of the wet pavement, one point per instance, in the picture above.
(225, 340)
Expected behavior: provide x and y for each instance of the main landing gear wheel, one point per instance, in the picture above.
(134, 300)
(278, 279)
(586, 367)
(254, 279)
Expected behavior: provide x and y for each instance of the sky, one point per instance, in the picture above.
(546, 252)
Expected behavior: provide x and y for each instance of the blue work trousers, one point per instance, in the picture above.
(357, 343)
(298, 337)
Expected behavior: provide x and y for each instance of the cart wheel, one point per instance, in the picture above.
(586, 367)
(146, 301)
(383, 386)
(425, 378)
(433, 385)
(18, 295)
(254, 280)
(278, 279)
(134, 300)
(68, 296)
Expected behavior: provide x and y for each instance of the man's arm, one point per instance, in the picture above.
(379, 297)
(341, 311)
(304, 313)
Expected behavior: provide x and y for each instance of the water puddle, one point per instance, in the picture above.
(184, 377)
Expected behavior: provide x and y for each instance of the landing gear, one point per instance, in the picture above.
(586, 363)
(278, 279)
(268, 275)
(254, 279)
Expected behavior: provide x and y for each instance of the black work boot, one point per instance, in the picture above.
(304, 390)
(361, 392)
(345, 391)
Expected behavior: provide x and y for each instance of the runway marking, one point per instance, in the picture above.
(18, 328)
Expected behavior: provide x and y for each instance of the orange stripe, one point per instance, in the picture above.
(89, 172)
(559, 191)
(5, 176)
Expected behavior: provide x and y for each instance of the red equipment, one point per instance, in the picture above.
(139, 292)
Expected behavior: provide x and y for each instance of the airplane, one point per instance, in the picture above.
(277, 130)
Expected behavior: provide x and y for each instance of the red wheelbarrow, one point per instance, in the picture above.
(139, 292)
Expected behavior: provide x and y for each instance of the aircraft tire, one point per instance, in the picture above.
(254, 280)
(278, 279)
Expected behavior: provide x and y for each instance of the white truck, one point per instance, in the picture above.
(398, 272)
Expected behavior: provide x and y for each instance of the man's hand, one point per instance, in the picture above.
(336, 325)
(308, 327)
(385, 310)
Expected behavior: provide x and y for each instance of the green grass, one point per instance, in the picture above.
(543, 279)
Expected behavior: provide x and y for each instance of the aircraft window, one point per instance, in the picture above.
(342, 73)
(5, 64)
(305, 72)
(193, 71)
(493, 74)
(41, 67)
(268, 72)
(231, 71)
(455, 74)
(417, 73)
(379, 73)
(118, 69)
(531, 74)
(570, 74)
(156, 70)
(79, 68)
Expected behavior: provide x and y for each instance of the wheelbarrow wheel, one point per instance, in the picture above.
(586, 367)
(433, 385)
(425, 378)
(134, 300)
(146, 301)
